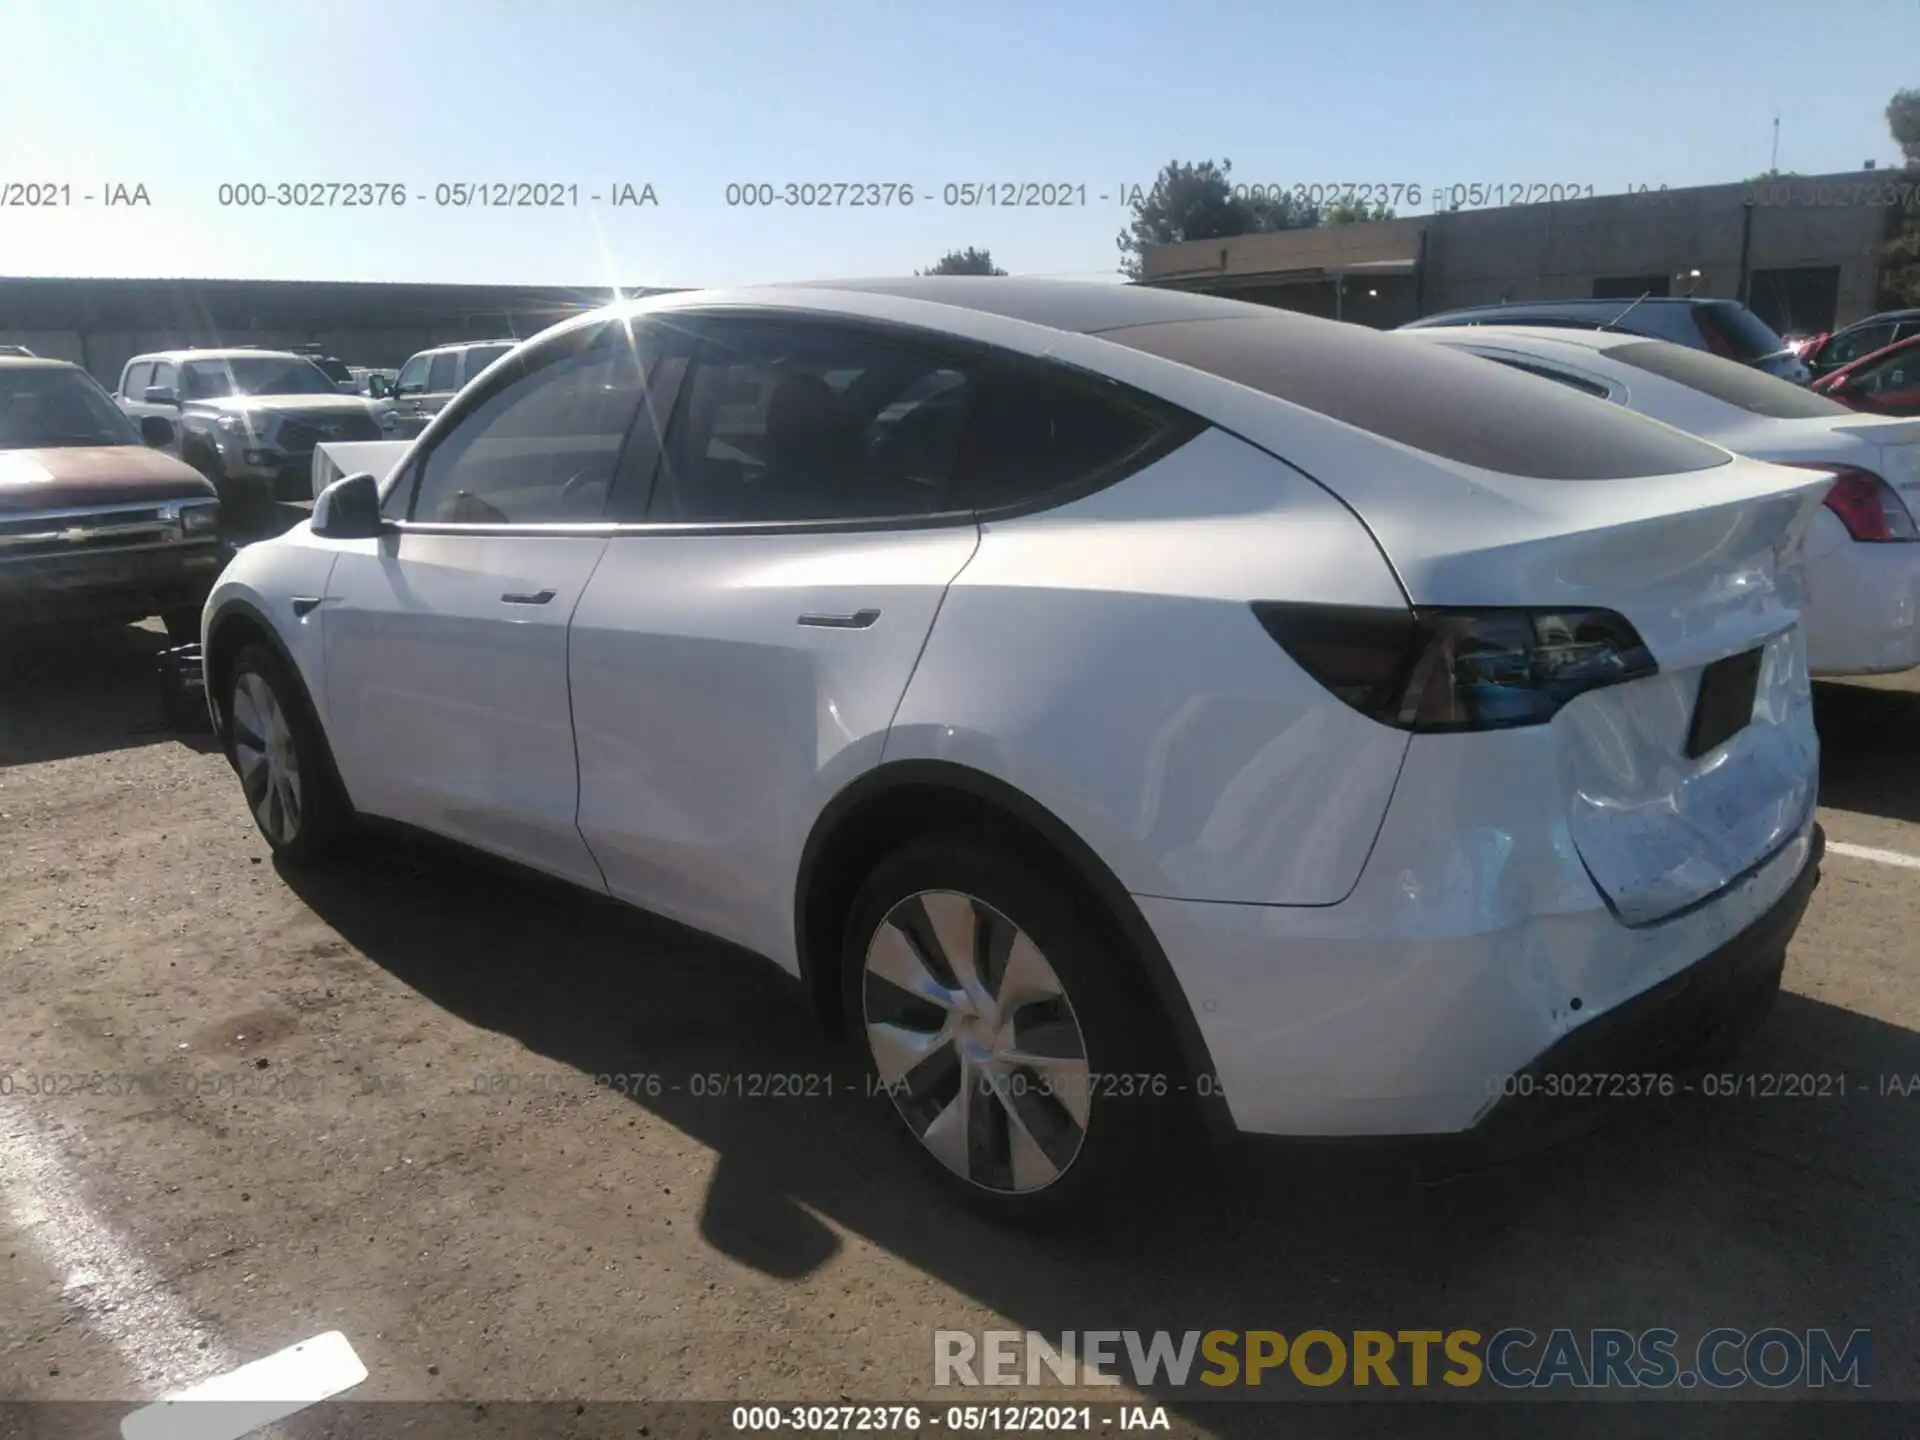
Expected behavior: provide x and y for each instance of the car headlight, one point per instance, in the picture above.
(233, 424)
(201, 519)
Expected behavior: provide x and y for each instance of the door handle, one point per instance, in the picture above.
(305, 605)
(537, 597)
(859, 620)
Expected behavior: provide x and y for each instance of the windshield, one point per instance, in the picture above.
(40, 408)
(253, 375)
(334, 370)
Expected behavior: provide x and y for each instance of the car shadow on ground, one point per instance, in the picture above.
(1744, 1210)
(86, 692)
(1869, 749)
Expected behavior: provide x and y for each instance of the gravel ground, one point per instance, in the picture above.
(364, 1100)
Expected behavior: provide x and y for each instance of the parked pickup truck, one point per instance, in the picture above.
(247, 419)
(97, 525)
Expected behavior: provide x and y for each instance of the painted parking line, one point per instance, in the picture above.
(102, 1273)
(1878, 857)
(241, 1401)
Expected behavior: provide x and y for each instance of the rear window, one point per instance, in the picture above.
(1455, 406)
(1736, 332)
(1754, 391)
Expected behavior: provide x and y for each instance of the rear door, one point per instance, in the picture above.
(739, 654)
(408, 389)
(446, 639)
(443, 382)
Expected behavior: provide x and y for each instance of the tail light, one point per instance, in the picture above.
(1439, 670)
(1870, 508)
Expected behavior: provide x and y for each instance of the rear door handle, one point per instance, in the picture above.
(537, 597)
(859, 620)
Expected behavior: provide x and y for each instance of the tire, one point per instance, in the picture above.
(183, 626)
(270, 723)
(1056, 1141)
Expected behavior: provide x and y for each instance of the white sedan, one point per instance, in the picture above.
(1118, 707)
(1862, 559)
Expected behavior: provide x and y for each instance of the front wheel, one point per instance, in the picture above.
(280, 756)
(1016, 1050)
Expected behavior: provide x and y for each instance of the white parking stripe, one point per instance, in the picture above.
(123, 1298)
(241, 1401)
(1879, 857)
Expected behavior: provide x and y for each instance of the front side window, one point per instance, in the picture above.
(134, 384)
(789, 422)
(1859, 343)
(413, 377)
(253, 375)
(443, 377)
(58, 408)
(543, 443)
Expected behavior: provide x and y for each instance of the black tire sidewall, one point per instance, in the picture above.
(321, 810)
(1126, 1123)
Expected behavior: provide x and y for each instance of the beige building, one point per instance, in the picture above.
(1801, 250)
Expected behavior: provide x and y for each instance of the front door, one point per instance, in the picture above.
(446, 639)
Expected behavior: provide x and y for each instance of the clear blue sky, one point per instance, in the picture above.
(688, 97)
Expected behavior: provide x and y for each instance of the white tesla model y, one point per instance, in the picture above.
(1116, 705)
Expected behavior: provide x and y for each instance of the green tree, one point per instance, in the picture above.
(1900, 258)
(964, 262)
(1350, 212)
(1903, 120)
(1200, 202)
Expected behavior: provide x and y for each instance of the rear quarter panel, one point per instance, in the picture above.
(1103, 659)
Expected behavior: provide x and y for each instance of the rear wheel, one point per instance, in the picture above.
(280, 756)
(1011, 1044)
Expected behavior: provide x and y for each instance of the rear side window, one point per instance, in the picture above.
(1754, 391)
(1736, 332)
(445, 373)
(482, 356)
(1035, 434)
(1454, 406)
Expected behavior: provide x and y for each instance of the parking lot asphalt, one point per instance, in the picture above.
(365, 1099)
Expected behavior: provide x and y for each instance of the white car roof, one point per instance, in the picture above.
(177, 356)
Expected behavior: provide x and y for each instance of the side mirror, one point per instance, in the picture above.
(156, 430)
(160, 395)
(377, 387)
(349, 509)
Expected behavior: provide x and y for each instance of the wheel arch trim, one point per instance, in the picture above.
(1079, 857)
(241, 607)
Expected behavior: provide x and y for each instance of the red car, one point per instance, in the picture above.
(1887, 382)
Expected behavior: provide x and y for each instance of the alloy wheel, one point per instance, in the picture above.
(264, 753)
(973, 1036)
